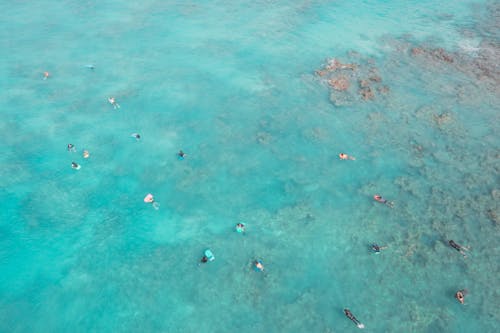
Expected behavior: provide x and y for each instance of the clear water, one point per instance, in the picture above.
(232, 84)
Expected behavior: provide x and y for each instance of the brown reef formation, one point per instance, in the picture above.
(349, 82)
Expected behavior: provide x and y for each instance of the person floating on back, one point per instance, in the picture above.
(376, 248)
(75, 165)
(460, 295)
(353, 319)
(381, 199)
(343, 156)
(458, 247)
(113, 102)
(258, 266)
(149, 198)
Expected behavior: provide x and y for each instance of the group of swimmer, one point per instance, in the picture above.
(72, 149)
(208, 256)
(459, 295)
(257, 265)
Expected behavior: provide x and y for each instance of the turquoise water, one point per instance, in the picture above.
(233, 85)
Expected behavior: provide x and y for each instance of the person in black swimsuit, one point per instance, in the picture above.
(349, 315)
(458, 247)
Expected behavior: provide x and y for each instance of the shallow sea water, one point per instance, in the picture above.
(233, 84)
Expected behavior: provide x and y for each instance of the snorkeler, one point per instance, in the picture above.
(181, 155)
(240, 227)
(113, 102)
(75, 166)
(381, 199)
(343, 156)
(71, 147)
(258, 266)
(460, 295)
(137, 136)
(208, 256)
(458, 247)
(353, 319)
(376, 248)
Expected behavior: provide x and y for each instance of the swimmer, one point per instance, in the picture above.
(209, 255)
(137, 136)
(257, 265)
(181, 155)
(376, 248)
(75, 166)
(240, 227)
(113, 102)
(149, 198)
(353, 319)
(460, 295)
(86, 154)
(204, 259)
(46, 75)
(90, 66)
(71, 147)
(384, 201)
(343, 156)
(458, 247)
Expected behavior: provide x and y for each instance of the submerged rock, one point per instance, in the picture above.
(383, 90)
(442, 118)
(334, 64)
(340, 83)
(339, 99)
(438, 54)
(364, 83)
(367, 93)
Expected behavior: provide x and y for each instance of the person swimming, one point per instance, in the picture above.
(460, 295)
(46, 75)
(204, 259)
(343, 156)
(209, 255)
(458, 247)
(113, 102)
(258, 266)
(71, 147)
(90, 66)
(181, 155)
(376, 248)
(240, 227)
(381, 199)
(349, 315)
(75, 165)
(137, 136)
(86, 154)
(149, 198)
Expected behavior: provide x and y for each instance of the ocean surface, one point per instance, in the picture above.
(243, 88)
